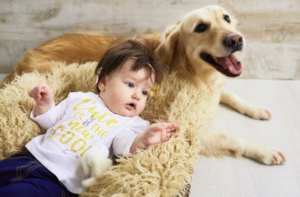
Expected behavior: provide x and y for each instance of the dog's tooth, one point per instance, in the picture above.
(215, 59)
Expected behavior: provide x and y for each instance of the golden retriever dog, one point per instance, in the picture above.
(200, 47)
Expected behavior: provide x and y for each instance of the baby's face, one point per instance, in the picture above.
(125, 92)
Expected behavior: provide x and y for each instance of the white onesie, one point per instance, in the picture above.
(78, 125)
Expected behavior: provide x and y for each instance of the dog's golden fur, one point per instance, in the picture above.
(180, 47)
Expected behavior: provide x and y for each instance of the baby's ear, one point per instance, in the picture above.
(102, 84)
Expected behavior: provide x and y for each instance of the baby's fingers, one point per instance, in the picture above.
(163, 136)
(170, 135)
(31, 93)
(35, 93)
(171, 127)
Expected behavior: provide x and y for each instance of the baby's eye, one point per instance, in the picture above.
(145, 93)
(130, 85)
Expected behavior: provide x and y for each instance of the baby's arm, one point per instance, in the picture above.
(154, 134)
(43, 96)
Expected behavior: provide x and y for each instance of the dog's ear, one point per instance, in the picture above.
(169, 41)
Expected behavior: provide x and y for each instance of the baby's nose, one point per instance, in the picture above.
(136, 96)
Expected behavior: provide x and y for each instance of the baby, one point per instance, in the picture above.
(83, 127)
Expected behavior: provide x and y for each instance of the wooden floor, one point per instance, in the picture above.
(229, 177)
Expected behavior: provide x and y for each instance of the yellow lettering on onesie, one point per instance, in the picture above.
(61, 129)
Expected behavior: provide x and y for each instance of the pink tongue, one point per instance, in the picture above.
(231, 63)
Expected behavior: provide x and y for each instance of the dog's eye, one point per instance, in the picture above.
(201, 28)
(226, 17)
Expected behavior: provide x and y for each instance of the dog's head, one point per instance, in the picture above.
(204, 39)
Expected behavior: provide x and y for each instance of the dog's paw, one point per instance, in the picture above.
(258, 113)
(269, 156)
(263, 114)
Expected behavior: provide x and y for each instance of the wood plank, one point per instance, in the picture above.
(265, 24)
(27, 24)
(270, 61)
(267, 21)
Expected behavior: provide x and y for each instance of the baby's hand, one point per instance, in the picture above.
(42, 94)
(160, 132)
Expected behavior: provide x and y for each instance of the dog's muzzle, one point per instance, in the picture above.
(233, 42)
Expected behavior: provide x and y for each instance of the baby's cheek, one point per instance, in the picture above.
(142, 106)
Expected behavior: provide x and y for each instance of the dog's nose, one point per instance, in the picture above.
(234, 41)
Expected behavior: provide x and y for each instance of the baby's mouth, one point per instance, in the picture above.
(131, 105)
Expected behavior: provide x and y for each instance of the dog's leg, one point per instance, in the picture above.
(244, 107)
(220, 144)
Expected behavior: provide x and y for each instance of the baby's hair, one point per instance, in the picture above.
(121, 50)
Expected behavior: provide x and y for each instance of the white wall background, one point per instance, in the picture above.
(271, 27)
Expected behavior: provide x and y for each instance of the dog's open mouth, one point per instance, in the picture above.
(229, 65)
